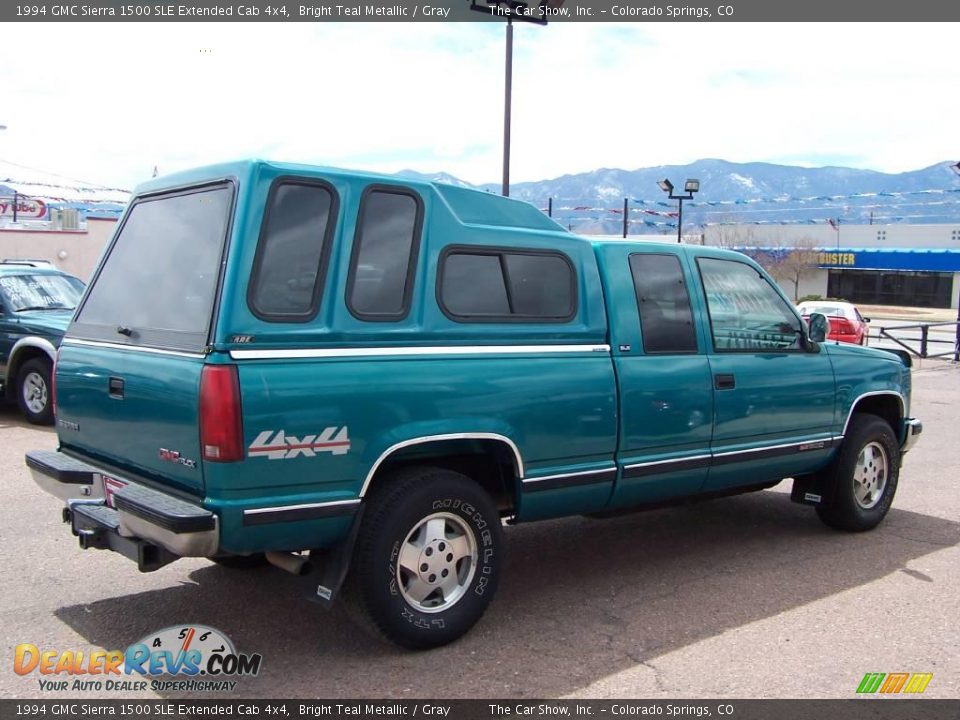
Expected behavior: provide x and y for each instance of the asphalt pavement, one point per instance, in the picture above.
(743, 597)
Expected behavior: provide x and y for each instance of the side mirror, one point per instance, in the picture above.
(866, 319)
(818, 327)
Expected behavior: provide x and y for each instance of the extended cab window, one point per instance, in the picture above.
(384, 254)
(158, 282)
(664, 303)
(497, 285)
(746, 313)
(292, 253)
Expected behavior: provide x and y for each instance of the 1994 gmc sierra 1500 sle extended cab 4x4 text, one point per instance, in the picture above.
(273, 359)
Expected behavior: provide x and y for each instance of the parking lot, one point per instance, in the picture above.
(744, 597)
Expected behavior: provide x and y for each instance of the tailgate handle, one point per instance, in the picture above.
(724, 381)
(116, 387)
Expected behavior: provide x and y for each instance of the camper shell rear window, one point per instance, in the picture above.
(157, 284)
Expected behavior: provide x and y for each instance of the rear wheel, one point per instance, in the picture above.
(428, 557)
(864, 476)
(34, 394)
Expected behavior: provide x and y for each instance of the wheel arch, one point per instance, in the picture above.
(491, 460)
(888, 405)
(25, 349)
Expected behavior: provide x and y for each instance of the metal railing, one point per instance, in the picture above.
(925, 340)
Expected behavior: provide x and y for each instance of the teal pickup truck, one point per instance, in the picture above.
(361, 379)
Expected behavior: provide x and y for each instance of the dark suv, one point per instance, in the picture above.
(36, 304)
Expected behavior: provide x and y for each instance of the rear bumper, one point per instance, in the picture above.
(140, 522)
(912, 428)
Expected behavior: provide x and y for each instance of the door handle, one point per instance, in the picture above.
(116, 388)
(724, 381)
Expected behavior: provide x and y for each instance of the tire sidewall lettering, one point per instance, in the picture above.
(483, 574)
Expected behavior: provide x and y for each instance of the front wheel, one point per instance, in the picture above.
(34, 394)
(428, 557)
(865, 476)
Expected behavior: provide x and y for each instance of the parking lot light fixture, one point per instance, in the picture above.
(691, 186)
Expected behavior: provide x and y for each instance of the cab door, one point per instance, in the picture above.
(774, 394)
(666, 397)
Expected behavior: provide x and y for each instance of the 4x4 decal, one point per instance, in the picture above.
(277, 445)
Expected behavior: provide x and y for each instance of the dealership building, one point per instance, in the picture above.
(905, 265)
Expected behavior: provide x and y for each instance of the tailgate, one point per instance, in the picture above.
(136, 410)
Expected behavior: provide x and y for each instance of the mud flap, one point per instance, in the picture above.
(332, 565)
(815, 489)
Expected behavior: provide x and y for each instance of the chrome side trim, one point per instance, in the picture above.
(358, 352)
(796, 444)
(601, 471)
(517, 459)
(664, 462)
(304, 506)
(853, 405)
(132, 348)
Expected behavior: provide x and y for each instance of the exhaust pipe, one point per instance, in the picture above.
(291, 562)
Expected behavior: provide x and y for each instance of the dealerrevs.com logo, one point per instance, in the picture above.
(195, 658)
(894, 683)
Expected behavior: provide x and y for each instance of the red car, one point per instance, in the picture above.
(846, 323)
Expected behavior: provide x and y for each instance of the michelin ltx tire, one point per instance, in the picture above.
(428, 557)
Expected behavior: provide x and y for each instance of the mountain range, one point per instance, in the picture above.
(763, 193)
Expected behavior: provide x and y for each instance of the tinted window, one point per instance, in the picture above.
(539, 285)
(746, 313)
(507, 285)
(159, 279)
(384, 255)
(473, 285)
(664, 303)
(288, 271)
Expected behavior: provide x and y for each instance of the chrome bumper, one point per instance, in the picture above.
(140, 514)
(913, 428)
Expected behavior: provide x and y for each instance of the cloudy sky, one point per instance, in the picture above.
(107, 102)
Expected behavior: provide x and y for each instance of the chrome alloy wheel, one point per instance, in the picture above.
(870, 475)
(437, 562)
(34, 392)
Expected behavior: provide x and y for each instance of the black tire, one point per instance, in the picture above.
(851, 477)
(396, 517)
(34, 391)
(241, 562)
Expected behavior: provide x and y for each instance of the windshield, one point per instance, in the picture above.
(40, 292)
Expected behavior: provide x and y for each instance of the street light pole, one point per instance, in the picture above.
(691, 186)
(533, 11)
(956, 347)
(507, 102)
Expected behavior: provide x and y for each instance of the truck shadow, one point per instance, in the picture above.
(580, 599)
(11, 417)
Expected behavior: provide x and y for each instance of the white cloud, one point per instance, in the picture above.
(107, 102)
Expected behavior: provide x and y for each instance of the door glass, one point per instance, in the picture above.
(664, 304)
(746, 313)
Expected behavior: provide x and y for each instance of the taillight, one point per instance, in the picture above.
(53, 383)
(221, 421)
(845, 327)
